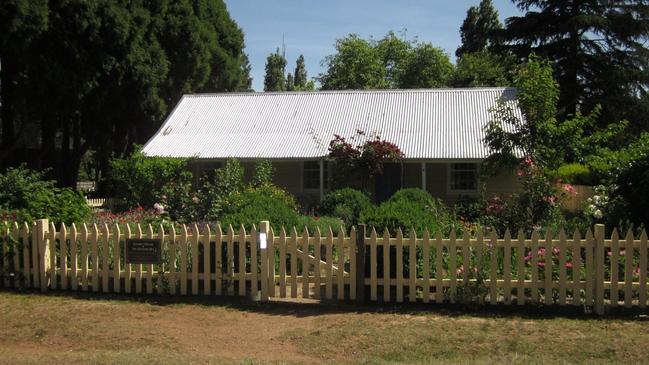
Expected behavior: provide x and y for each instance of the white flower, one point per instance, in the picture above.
(159, 208)
(598, 214)
(596, 199)
(592, 207)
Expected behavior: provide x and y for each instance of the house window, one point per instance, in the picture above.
(311, 175)
(207, 170)
(464, 177)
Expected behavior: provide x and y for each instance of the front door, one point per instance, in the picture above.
(389, 182)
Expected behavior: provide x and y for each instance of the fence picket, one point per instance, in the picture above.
(195, 263)
(161, 269)
(229, 259)
(317, 252)
(104, 258)
(576, 268)
(329, 266)
(353, 271)
(74, 266)
(386, 265)
(254, 263)
(149, 267)
(63, 239)
(642, 296)
(271, 259)
(493, 277)
(15, 252)
(628, 269)
(293, 247)
(426, 268)
(590, 273)
(282, 263)
(138, 267)
(479, 253)
(25, 254)
(4, 257)
(117, 267)
(340, 274)
(399, 273)
(172, 260)
(507, 268)
(94, 242)
(562, 267)
(439, 271)
(183, 260)
(412, 263)
(452, 266)
(207, 261)
(615, 264)
(305, 263)
(218, 259)
(242, 261)
(51, 236)
(520, 272)
(373, 264)
(127, 266)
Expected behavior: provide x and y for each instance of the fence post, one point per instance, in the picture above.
(43, 253)
(360, 264)
(599, 269)
(263, 249)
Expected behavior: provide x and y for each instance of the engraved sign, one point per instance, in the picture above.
(143, 251)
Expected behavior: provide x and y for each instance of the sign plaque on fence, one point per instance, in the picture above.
(143, 251)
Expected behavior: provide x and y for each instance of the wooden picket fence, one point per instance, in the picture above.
(590, 271)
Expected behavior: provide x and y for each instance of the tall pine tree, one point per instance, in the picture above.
(598, 49)
(300, 73)
(479, 29)
(275, 69)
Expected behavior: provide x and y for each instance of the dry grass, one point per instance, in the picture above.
(81, 330)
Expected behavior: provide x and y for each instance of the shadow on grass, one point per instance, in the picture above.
(311, 308)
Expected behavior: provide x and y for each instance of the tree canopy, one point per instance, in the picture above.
(391, 62)
(105, 74)
(599, 50)
(478, 30)
(275, 79)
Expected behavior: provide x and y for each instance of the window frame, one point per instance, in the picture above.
(326, 175)
(451, 176)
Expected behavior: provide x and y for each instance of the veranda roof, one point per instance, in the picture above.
(427, 124)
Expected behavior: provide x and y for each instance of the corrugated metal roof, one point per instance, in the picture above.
(425, 124)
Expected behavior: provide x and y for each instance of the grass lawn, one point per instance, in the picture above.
(67, 329)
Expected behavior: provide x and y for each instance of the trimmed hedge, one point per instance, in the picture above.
(346, 204)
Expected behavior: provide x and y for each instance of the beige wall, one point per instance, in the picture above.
(288, 175)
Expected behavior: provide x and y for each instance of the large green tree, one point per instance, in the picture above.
(598, 49)
(479, 29)
(391, 62)
(483, 69)
(275, 79)
(102, 76)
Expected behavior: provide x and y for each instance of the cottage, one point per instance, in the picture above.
(440, 131)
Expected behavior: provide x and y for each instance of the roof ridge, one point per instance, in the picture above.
(352, 91)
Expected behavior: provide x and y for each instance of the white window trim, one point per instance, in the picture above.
(449, 185)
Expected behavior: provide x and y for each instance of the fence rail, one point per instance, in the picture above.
(574, 270)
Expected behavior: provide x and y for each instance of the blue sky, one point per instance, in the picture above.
(312, 27)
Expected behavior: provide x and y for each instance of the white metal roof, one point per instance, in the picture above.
(425, 123)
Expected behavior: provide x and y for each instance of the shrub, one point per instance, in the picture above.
(575, 173)
(263, 174)
(405, 214)
(633, 188)
(323, 223)
(26, 196)
(346, 204)
(254, 205)
(213, 197)
(143, 181)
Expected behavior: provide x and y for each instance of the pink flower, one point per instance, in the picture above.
(568, 265)
(622, 252)
(520, 173)
(460, 270)
(541, 264)
(555, 250)
(541, 251)
(570, 189)
(636, 271)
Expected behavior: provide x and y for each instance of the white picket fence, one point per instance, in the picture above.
(589, 270)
